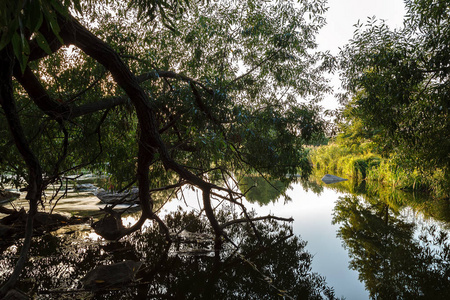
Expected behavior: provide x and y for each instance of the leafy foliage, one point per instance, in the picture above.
(23, 19)
(361, 161)
(231, 118)
(158, 94)
(399, 83)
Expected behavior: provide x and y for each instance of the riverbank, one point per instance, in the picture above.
(359, 162)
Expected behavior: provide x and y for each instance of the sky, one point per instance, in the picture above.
(342, 15)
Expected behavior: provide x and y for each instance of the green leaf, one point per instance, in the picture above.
(59, 8)
(55, 27)
(25, 46)
(17, 46)
(21, 50)
(52, 20)
(42, 42)
(7, 34)
(35, 16)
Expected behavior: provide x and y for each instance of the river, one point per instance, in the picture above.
(365, 241)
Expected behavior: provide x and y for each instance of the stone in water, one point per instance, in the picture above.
(332, 179)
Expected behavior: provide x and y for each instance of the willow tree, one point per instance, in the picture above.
(158, 93)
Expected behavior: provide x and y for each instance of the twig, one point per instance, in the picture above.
(247, 220)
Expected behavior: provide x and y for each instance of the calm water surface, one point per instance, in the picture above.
(333, 221)
(312, 215)
(385, 234)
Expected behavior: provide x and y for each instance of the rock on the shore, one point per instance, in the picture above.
(7, 196)
(332, 179)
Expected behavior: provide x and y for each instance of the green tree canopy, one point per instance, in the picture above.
(157, 93)
(398, 81)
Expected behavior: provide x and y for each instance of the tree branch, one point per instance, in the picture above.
(170, 74)
(39, 95)
(150, 141)
(249, 220)
(35, 172)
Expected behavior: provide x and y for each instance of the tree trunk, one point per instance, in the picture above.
(35, 173)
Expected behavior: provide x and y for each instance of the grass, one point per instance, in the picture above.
(359, 162)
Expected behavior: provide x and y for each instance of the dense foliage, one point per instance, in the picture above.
(224, 83)
(394, 125)
(398, 83)
(157, 94)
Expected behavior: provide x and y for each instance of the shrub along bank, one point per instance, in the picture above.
(359, 162)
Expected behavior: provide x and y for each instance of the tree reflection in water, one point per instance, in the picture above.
(262, 190)
(266, 265)
(392, 260)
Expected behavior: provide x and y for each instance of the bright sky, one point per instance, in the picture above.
(342, 15)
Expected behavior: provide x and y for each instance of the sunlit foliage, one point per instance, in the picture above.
(398, 83)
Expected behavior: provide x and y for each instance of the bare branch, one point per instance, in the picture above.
(249, 220)
(254, 68)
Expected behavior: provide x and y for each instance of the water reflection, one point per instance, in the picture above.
(397, 241)
(392, 259)
(265, 266)
(431, 208)
(261, 190)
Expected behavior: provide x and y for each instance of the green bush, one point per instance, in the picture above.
(359, 163)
